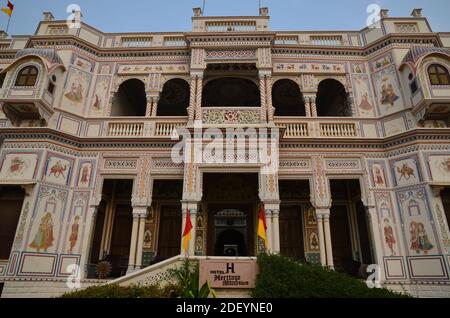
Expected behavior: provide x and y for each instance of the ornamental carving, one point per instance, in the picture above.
(218, 116)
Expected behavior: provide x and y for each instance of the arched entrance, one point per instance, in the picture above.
(231, 201)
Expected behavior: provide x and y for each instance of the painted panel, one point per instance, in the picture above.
(33, 264)
(427, 267)
(406, 171)
(388, 91)
(394, 268)
(58, 169)
(19, 166)
(439, 168)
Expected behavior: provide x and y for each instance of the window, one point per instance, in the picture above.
(2, 78)
(438, 75)
(27, 76)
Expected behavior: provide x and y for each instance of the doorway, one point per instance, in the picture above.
(11, 201)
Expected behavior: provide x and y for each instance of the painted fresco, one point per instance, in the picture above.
(388, 91)
(388, 224)
(406, 171)
(100, 96)
(85, 175)
(420, 237)
(363, 95)
(75, 225)
(378, 176)
(19, 166)
(58, 170)
(76, 90)
(46, 220)
(439, 168)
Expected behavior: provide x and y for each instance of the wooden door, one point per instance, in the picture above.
(340, 239)
(291, 232)
(121, 239)
(169, 241)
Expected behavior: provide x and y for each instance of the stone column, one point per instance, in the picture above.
(327, 232)
(313, 107)
(375, 239)
(148, 110)
(198, 98)
(323, 253)
(263, 92)
(270, 108)
(276, 230)
(154, 107)
(192, 99)
(140, 240)
(134, 234)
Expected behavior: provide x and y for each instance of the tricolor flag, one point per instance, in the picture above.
(262, 227)
(9, 10)
(187, 233)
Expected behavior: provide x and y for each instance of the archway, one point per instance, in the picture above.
(231, 91)
(174, 99)
(287, 98)
(332, 100)
(130, 100)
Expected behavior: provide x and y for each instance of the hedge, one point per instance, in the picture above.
(116, 291)
(280, 277)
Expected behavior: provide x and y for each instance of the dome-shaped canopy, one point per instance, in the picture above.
(48, 56)
(417, 53)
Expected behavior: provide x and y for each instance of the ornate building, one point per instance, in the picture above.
(360, 168)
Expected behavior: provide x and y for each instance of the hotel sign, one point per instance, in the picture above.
(228, 273)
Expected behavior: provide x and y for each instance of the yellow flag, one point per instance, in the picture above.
(9, 9)
(262, 227)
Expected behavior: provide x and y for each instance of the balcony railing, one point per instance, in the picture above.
(338, 130)
(126, 129)
(317, 127)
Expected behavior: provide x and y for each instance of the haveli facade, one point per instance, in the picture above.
(89, 120)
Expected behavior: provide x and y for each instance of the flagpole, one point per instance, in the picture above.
(7, 26)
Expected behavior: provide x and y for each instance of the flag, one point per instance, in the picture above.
(9, 9)
(187, 232)
(262, 227)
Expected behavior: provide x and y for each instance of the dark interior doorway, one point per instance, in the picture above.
(11, 201)
(169, 242)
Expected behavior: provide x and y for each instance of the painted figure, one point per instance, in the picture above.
(389, 236)
(74, 234)
(58, 169)
(419, 238)
(388, 96)
(44, 236)
(378, 176)
(85, 175)
(76, 93)
(365, 104)
(314, 241)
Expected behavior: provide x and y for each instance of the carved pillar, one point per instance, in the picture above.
(148, 109)
(198, 102)
(140, 240)
(312, 103)
(276, 230)
(327, 235)
(263, 92)
(269, 236)
(192, 99)
(134, 235)
(323, 254)
(154, 105)
(270, 108)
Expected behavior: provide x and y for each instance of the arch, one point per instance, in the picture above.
(231, 91)
(130, 99)
(27, 76)
(174, 98)
(438, 74)
(332, 100)
(287, 98)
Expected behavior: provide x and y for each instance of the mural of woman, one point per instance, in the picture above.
(388, 96)
(378, 175)
(365, 104)
(389, 236)
(74, 234)
(76, 93)
(415, 245)
(424, 242)
(85, 175)
(44, 236)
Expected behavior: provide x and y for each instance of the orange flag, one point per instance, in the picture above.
(9, 10)
(262, 226)
(187, 232)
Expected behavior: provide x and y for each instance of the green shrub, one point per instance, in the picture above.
(280, 277)
(116, 291)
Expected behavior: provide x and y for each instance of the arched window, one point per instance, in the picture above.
(331, 100)
(231, 91)
(438, 75)
(130, 100)
(174, 99)
(287, 98)
(27, 76)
